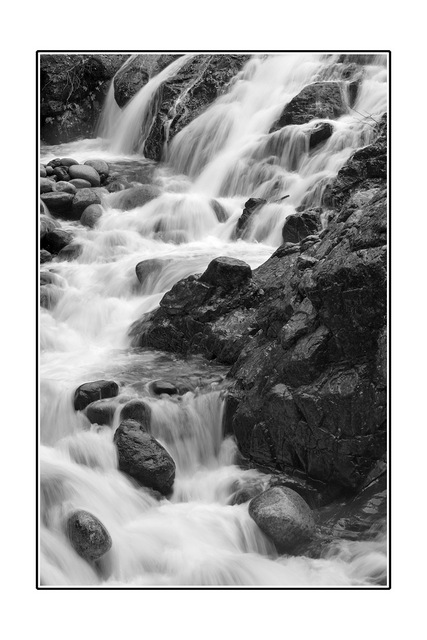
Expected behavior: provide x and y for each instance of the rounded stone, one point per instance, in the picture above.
(84, 172)
(59, 204)
(65, 187)
(46, 185)
(87, 535)
(43, 172)
(91, 215)
(45, 256)
(135, 197)
(56, 162)
(83, 199)
(91, 391)
(158, 387)
(227, 272)
(283, 516)
(49, 171)
(80, 184)
(56, 240)
(68, 162)
(70, 252)
(100, 167)
(61, 173)
(101, 411)
(137, 410)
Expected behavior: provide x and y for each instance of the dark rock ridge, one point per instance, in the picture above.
(183, 97)
(88, 536)
(143, 458)
(72, 89)
(317, 100)
(137, 73)
(306, 335)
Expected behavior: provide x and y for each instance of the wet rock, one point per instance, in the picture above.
(83, 199)
(100, 166)
(317, 100)
(55, 240)
(85, 172)
(320, 133)
(80, 184)
(59, 204)
(70, 252)
(43, 172)
(251, 207)
(87, 535)
(65, 187)
(219, 211)
(146, 268)
(45, 256)
(49, 171)
(283, 516)
(115, 186)
(46, 185)
(101, 411)
(137, 73)
(135, 197)
(49, 296)
(227, 273)
(47, 277)
(68, 162)
(91, 391)
(91, 215)
(158, 387)
(300, 225)
(143, 458)
(56, 162)
(137, 410)
(47, 224)
(61, 173)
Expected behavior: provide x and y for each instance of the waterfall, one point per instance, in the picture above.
(212, 167)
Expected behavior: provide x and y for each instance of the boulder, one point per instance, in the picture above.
(54, 241)
(91, 391)
(135, 197)
(114, 186)
(100, 166)
(85, 172)
(49, 171)
(49, 296)
(68, 162)
(70, 252)
(146, 268)
(284, 516)
(251, 206)
(317, 100)
(159, 387)
(46, 185)
(43, 172)
(219, 211)
(227, 273)
(56, 162)
(65, 187)
(59, 204)
(47, 224)
(143, 458)
(321, 132)
(80, 184)
(137, 410)
(45, 256)
(83, 199)
(91, 215)
(61, 173)
(101, 411)
(87, 535)
(300, 225)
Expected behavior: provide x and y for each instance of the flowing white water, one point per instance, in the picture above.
(197, 537)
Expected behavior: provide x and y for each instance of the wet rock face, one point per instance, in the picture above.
(101, 411)
(137, 73)
(91, 391)
(284, 516)
(300, 225)
(317, 100)
(88, 536)
(143, 458)
(227, 273)
(251, 206)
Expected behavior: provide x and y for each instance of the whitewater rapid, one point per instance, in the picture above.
(197, 537)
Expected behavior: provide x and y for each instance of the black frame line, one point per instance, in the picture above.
(37, 270)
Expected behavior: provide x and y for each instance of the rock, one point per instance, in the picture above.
(143, 458)
(65, 187)
(227, 273)
(83, 199)
(70, 252)
(47, 277)
(251, 206)
(284, 517)
(101, 411)
(91, 391)
(137, 410)
(320, 133)
(137, 73)
(158, 387)
(91, 215)
(80, 184)
(68, 162)
(317, 100)
(219, 211)
(43, 172)
(100, 166)
(146, 268)
(87, 535)
(49, 171)
(54, 241)
(56, 162)
(61, 173)
(49, 296)
(85, 172)
(59, 204)
(115, 186)
(135, 197)
(47, 224)
(45, 256)
(300, 225)
(46, 185)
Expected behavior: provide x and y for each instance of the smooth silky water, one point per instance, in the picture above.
(197, 537)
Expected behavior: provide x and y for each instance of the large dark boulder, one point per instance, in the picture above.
(317, 100)
(72, 89)
(137, 73)
(59, 203)
(227, 273)
(300, 225)
(101, 411)
(146, 268)
(85, 172)
(137, 410)
(284, 516)
(87, 535)
(91, 391)
(143, 458)
(54, 241)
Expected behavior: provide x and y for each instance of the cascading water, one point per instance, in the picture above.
(227, 154)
